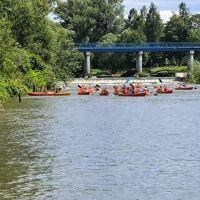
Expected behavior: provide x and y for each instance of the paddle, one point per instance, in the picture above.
(127, 81)
(154, 93)
(160, 80)
(98, 86)
(79, 86)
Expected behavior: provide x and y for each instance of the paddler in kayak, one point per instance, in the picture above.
(104, 92)
(132, 88)
(117, 89)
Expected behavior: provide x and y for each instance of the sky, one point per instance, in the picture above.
(164, 6)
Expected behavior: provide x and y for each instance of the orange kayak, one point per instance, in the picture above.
(138, 94)
(104, 93)
(167, 91)
(49, 94)
(62, 94)
(84, 93)
(184, 88)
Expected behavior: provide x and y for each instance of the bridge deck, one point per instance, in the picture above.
(133, 47)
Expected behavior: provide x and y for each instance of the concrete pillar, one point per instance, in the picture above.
(190, 61)
(139, 62)
(166, 61)
(87, 64)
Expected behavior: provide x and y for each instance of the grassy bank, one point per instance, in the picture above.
(168, 71)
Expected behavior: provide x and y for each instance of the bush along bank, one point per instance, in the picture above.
(195, 75)
(34, 50)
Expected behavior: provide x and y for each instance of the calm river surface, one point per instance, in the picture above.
(101, 148)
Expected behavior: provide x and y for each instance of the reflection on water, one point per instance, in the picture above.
(90, 147)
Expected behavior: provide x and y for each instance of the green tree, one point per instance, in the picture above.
(137, 21)
(109, 38)
(196, 73)
(33, 49)
(68, 61)
(89, 20)
(154, 25)
(194, 35)
(177, 29)
(195, 21)
(130, 36)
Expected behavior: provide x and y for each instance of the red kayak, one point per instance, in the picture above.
(165, 91)
(84, 90)
(84, 93)
(104, 93)
(49, 93)
(184, 88)
(138, 94)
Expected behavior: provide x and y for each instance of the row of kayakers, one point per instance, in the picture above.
(129, 90)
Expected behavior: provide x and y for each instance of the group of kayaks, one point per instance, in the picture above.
(132, 89)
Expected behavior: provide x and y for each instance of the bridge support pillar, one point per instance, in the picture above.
(87, 64)
(139, 62)
(190, 61)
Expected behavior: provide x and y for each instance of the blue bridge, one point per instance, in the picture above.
(189, 47)
(133, 47)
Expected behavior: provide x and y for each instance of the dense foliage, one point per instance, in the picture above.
(195, 77)
(33, 48)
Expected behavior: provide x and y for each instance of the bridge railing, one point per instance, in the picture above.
(132, 45)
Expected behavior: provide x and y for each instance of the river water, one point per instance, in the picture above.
(101, 148)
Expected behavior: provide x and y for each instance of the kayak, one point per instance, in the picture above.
(104, 93)
(165, 92)
(49, 93)
(138, 94)
(84, 93)
(168, 91)
(148, 93)
(184, 88)
(62, 94)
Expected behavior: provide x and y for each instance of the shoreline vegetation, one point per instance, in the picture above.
(36, 50)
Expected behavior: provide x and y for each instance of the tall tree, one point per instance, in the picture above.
(154, 25)
(109, 17)
(177, 29)
(136, 21)
(132, 19)
(89, 20)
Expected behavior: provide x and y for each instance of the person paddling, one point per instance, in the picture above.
(132, 87)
